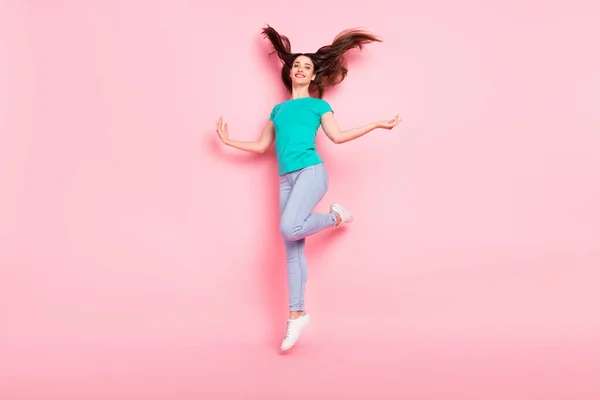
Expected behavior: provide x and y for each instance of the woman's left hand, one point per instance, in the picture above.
(389, 124)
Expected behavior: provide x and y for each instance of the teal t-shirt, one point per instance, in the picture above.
(296, 123)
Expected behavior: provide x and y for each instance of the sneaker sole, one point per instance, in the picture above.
(342, 212)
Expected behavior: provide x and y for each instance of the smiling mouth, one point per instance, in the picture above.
(300, 76)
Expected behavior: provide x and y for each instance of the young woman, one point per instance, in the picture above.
(303, 179)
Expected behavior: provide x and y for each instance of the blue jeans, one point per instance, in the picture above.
(300, 191)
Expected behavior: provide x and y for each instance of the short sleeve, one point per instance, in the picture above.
(323, 108)
(273, 113)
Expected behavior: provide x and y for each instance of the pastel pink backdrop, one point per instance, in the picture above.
(140, 259)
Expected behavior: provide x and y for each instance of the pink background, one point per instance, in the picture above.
(140, 259)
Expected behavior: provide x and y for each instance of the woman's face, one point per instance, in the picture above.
(303, 71)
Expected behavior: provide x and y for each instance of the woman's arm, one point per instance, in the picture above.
(337, 136)
(257, 146)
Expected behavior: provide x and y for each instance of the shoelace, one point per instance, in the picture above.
(289, 329)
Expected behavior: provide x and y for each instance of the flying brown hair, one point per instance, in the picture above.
(329, 61)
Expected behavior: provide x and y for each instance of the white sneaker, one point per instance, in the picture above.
(345, 216)
(294, 328)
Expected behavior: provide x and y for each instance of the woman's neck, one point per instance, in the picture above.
(299, 92)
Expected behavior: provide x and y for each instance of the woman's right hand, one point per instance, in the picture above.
(222, 130)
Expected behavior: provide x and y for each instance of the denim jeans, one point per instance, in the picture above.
(300, 191)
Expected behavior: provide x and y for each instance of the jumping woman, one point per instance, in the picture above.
(303, 179)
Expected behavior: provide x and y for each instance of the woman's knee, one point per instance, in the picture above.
(288, 230)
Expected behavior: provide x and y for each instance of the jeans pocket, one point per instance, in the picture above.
(324, 175)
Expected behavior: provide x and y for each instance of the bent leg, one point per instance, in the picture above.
(297, 220)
